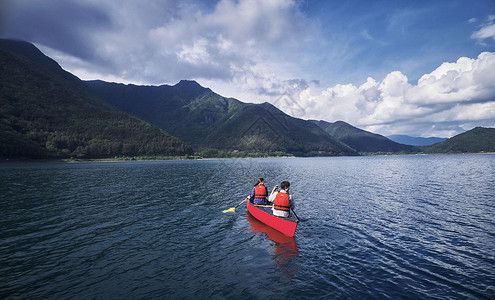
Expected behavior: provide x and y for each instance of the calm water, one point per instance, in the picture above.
(414, 227)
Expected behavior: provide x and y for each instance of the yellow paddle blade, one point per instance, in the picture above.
(232, 209)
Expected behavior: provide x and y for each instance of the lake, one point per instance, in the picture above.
(376, 227)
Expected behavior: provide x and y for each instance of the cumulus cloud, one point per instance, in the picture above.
(461, 92)
(463, 81)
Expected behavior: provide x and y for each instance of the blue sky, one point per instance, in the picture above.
(411, 36)
(423, 68)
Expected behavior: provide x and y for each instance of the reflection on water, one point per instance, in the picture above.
(284, 248)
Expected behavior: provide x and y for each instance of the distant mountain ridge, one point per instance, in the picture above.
(207, 120)
(363, 141)
(415, 141)
(46, 112)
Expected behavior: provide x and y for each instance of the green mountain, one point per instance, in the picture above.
(46, 112)
(476, 140)
(363, 141)
(210, 122)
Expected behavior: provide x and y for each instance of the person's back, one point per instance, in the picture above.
(282, 201)
(259, 192)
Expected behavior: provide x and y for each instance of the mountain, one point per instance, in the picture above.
(210, 122)
(46, 112)
(415, 141)
(363, 141)
(476, 140)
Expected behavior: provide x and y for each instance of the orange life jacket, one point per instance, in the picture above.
(260, 191)
(281, 201)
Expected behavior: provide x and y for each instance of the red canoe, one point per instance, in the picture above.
(264, 214)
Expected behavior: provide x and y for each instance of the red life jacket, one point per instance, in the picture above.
(281, 201)
(260, 191)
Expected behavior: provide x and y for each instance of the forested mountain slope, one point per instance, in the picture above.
(47, 112)
(207, 120)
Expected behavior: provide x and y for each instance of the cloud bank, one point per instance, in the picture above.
(454, 96)
(258, 50)
(162, 41)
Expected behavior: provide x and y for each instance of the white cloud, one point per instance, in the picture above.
(459, 92)
(463, 81)
(197, 54)
(253, 20)
(485, 33)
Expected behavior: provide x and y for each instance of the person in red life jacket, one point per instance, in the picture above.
(282, 201)
(259, 192)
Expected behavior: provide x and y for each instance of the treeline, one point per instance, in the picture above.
(115, 137)
(215, 153)
(95, 136)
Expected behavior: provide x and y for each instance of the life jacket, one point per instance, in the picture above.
(281, 201)
(260, 191)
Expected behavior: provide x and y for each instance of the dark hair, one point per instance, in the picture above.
(260, 180)
(284, 184)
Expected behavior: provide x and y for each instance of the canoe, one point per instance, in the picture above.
(264, 214)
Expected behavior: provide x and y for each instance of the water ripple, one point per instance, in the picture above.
(374, 227)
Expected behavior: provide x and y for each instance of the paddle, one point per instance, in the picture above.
(232, 209)
(295, 214)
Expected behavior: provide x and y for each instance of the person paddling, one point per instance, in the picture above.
(259, 192)
(282, 201)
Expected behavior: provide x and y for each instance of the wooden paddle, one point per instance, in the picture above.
(232, 209)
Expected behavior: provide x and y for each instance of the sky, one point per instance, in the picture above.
(421, 68)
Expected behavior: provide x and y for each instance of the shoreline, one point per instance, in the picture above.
(172, 158)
